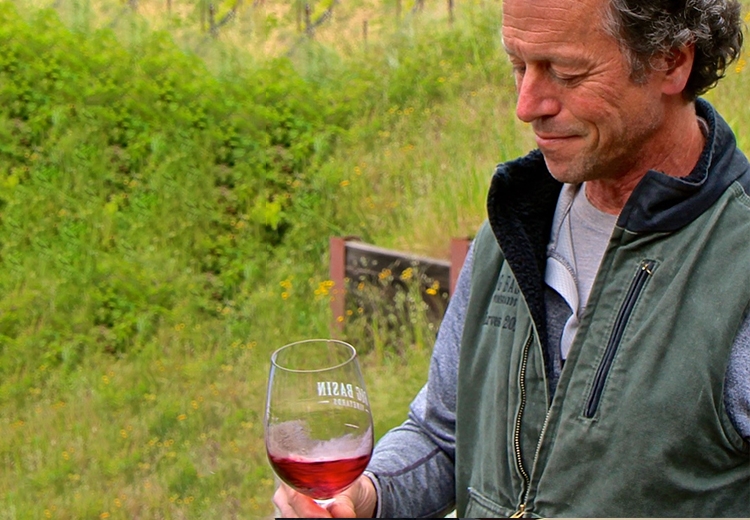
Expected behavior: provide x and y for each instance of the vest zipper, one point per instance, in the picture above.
(519, 513)
(636, 286)
(517, 427)
(522, 508)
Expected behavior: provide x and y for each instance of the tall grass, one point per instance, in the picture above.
(138, 315)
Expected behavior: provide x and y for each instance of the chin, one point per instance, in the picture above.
(563, 172)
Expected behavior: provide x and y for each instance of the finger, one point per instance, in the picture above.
(342, 507)
(281, 501)
(296, 505)
(305, 507)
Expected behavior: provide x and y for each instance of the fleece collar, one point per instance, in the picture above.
(663, 203)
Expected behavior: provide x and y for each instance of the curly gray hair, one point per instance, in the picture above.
(652, 28)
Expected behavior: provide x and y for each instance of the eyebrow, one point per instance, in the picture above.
(567, 59)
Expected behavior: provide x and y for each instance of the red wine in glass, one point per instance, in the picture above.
(319, 479)
(319, 433)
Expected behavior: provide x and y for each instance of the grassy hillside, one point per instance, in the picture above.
(166, 198)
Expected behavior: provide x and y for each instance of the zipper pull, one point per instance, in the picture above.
(519, 513)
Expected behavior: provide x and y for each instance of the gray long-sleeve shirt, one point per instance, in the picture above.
(413, 465)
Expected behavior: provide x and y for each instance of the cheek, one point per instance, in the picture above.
(591, 115)
(600, 100)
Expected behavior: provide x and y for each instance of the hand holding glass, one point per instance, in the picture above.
(319, 433)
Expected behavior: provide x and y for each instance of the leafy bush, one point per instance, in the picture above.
(115, 160)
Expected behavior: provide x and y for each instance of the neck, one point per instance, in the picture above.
(675, 153)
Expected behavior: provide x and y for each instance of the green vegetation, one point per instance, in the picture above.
(166, 199)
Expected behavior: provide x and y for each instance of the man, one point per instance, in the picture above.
(595, 360)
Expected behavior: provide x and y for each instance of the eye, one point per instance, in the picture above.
(519, 69)
(564, 77)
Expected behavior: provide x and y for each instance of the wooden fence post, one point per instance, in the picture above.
(459, 250)
(337, 267)
(212, 20)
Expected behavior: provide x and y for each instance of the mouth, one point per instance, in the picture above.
(551, 140)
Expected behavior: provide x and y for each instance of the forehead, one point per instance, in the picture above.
(567, 26)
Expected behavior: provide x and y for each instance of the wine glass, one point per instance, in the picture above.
(319, 433)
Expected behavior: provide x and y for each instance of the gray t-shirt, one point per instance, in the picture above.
(580, 234)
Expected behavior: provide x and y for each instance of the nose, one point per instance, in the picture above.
(537, 96)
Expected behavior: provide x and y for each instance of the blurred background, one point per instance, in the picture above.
(171, 172)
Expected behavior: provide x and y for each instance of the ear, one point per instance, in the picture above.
(676, 67)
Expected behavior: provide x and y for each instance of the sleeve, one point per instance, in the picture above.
(413, 464)
(737, 381)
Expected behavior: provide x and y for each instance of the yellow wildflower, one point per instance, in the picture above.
(385, 273)
(324, 288)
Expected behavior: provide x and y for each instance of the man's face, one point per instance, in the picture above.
(573, 83)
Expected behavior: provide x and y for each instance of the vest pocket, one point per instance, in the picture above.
(645, 270)
(479, 506)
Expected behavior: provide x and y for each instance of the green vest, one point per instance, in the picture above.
(637, 426)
